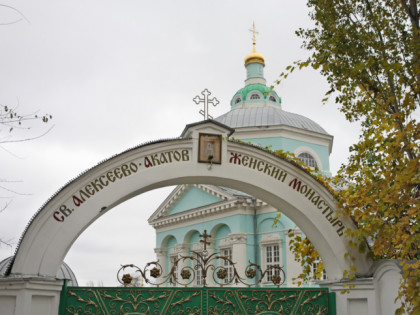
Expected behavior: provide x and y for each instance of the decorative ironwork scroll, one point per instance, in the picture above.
(187, 299)
(206, 265)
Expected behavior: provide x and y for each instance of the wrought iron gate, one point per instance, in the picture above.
(185, 299)
(203, 300)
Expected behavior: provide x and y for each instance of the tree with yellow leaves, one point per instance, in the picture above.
(369, 52)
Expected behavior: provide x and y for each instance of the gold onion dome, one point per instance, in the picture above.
(254, 57)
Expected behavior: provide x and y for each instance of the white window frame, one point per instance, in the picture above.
(198, 274)
(324, 272)
(255, 92)
(266, 242)
(198, 248)
(301, 150)
(308, 160)
(225, 264)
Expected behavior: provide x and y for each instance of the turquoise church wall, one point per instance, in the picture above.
(232, 224)
(255, 70)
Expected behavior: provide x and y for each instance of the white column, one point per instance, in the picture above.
(161, 257)
(182, 251)
(239, 257)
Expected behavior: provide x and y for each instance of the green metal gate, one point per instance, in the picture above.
(202, 300)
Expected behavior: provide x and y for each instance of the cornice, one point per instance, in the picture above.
(223, 207)
(285, 131)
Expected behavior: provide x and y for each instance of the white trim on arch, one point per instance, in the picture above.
(55, 227)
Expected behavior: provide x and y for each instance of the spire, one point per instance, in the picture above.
(254, 32)
(254, 56)
(254, 62)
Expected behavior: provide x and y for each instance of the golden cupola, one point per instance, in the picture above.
(254, 56)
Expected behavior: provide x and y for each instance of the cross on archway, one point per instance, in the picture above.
(206, 102)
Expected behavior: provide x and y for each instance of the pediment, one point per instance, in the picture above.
(187, 197)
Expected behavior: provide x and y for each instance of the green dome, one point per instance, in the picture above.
(263, 89)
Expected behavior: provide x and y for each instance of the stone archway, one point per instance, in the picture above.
(66, 215)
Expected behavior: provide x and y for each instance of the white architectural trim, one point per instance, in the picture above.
(250, 93)
(170, 202)
(305, 149)
(255, 81)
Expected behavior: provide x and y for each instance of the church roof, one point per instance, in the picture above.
(267, 116)
(65, 272)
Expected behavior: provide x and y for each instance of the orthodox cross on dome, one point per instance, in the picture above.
(254, 32)
(205, 236)
(206, 102)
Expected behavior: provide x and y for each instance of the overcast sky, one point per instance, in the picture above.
(115, 74)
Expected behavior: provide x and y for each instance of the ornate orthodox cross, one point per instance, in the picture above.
(205, 236)
(206, 102)
(254, 32)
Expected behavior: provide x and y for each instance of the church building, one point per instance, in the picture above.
(242, 227)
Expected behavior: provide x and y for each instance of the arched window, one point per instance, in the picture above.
(255, 96)
(238, 99)
(272, 98)
(308, 159)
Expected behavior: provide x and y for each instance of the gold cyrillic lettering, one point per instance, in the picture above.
(155, 160)
(104, 183)
(253, 163)
(267, 168)
(96, 185)
(64, 210)
(282, 176)
(163, 158)
(311, 195)
(245, 160)
(319, 204)
(117, 173)
(185, 155)
(326, 209)
(110, 176)
(81, 192)
(89, 190)
(125, 170)
(169, 156)
(133, 167)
